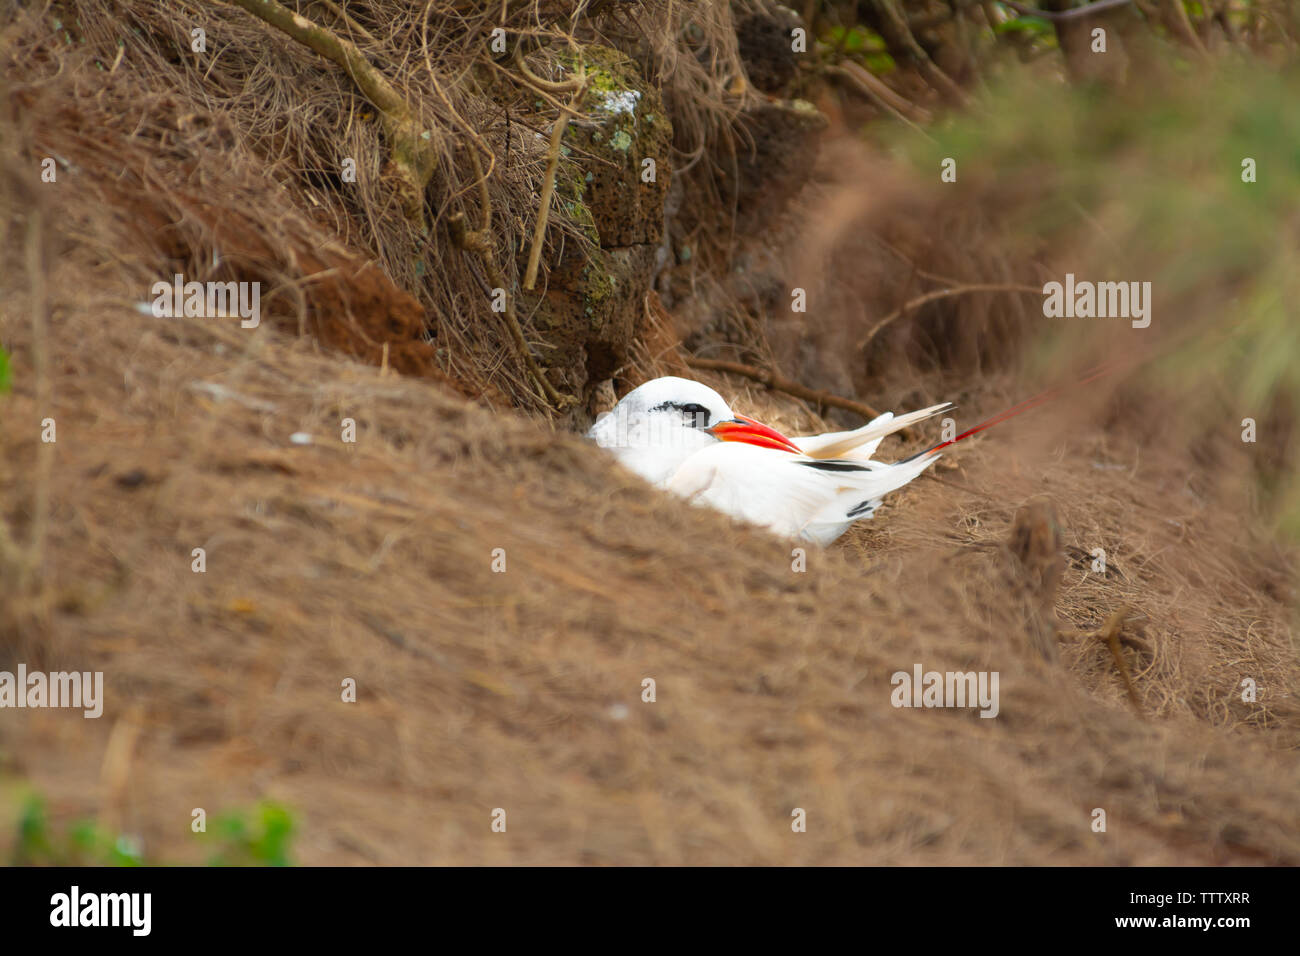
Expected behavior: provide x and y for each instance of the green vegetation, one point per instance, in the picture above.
(1191, 186)
(257, 837)
(83, 843)
(260, 837)
(859, 42)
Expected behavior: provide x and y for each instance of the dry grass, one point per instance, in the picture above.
(480, 690)
(522, 689)
(186, 153)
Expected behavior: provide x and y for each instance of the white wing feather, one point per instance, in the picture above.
(771, 488)
(861, 443)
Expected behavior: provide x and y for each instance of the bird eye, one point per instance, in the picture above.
(698, 414)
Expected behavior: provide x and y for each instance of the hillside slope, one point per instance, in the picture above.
(522, 689)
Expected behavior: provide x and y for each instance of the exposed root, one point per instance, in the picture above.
(412, 145)
(879, 93)
(779, 383)
(578, 84)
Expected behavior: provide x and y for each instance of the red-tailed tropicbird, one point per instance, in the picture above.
(683, 436)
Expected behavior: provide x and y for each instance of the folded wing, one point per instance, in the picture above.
(861, 443)
(814, 499)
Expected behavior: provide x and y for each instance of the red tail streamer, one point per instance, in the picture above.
(1091, 375)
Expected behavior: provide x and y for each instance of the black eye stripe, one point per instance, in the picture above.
(698, 412)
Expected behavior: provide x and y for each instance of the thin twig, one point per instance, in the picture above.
(35, 262)
(544, 203)
(577, 86)
(480, 243)
(1072, 14)
(1110, 634)
(901, 41)
(347, 18)
(942, 294)
(779, 383)
(879, 88)
(484, 198)
(29, 590)
(515, 77)
(1175, 16)
(874, 89)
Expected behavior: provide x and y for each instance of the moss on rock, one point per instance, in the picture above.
(625, 126)
(595, 292)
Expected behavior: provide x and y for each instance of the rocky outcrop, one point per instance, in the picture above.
(613, 182)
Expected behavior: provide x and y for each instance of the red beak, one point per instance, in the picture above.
(751, 432)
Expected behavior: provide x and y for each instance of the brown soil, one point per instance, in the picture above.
(522, 690)
(480, 690)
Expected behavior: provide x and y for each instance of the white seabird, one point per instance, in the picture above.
(683, 436)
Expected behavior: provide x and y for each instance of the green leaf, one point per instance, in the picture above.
(1035, 25)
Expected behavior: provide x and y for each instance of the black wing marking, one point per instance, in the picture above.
(864, 510)
(831, 464)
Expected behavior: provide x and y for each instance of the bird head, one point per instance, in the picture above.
(658, 425)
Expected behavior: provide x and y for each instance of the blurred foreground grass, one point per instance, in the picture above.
(1153, 182)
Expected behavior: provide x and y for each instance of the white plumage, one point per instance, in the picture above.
(683, 436)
